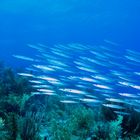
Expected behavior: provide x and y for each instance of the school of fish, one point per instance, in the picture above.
(91, 75)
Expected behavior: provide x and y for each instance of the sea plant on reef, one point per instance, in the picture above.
(14, 92)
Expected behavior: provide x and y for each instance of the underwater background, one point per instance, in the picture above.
(33, 30)
(60, 21)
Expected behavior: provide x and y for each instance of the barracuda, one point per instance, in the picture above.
(86, 74)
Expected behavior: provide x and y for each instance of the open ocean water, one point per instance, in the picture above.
(71, 70)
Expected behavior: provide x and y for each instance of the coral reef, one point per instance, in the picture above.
(43, 117)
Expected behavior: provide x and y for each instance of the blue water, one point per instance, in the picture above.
(67, 21)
